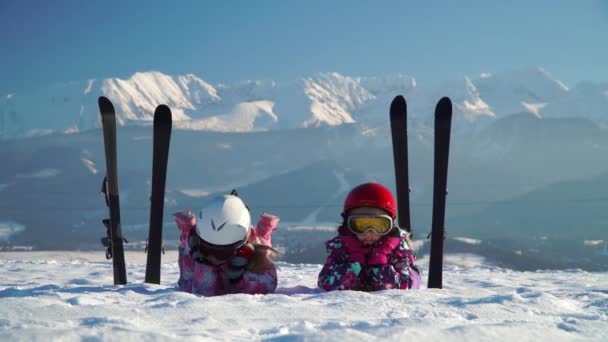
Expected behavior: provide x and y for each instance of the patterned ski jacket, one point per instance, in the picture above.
(197, 276)
(387, 264)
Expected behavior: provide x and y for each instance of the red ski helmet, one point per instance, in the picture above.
(371, 195)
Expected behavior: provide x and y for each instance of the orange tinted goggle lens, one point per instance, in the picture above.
(379, 224)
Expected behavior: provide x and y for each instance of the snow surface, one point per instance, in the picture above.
(69, 296)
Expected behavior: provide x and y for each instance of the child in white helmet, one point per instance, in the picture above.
(222, 253)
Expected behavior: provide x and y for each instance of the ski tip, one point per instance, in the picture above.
(105, 105)
(162, 114)
(444, 107)
(399, 100)
(445, 102)
(398, 106)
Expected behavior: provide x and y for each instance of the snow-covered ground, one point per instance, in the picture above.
(69, 296)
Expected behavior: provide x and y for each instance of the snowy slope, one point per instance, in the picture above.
(587, 100)
(333, 97)
(138, 97)
(243, 117)
(527, 89)
(485, 98)
(69, 296)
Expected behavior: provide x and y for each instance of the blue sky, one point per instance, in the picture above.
(58, 41)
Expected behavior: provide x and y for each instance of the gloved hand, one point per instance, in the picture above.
(185, 220)
(380, 251)
(239, 261)
(357, 252)
(266, 225)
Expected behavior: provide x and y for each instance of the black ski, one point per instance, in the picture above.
(443, 123)
(399, 134)
(108, 121)
(160, 158)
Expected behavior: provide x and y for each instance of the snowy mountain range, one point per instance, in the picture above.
(325, 99)
(522, 140)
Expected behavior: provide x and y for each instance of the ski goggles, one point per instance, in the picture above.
(379, 224)
(220, 252)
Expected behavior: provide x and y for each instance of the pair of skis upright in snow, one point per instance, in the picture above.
(162, 137)
(443, 122)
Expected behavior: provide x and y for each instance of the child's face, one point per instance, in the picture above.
(369, 237)
(215, 261)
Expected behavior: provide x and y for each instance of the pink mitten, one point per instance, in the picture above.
(185, 220)
(266, 225)
(380, 252)
(357, 252)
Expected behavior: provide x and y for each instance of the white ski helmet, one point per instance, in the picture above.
(225, 221)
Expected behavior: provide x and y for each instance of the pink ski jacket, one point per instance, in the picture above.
(211, 280)
(387, 264)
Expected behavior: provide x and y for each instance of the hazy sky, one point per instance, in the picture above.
(46, 41)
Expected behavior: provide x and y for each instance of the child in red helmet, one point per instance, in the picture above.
(370, 252)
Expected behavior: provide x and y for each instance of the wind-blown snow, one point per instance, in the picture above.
(70, 296)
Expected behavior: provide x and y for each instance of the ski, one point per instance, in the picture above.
(398, 117)
(108, 121)
(160, 158)
(443, 123)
